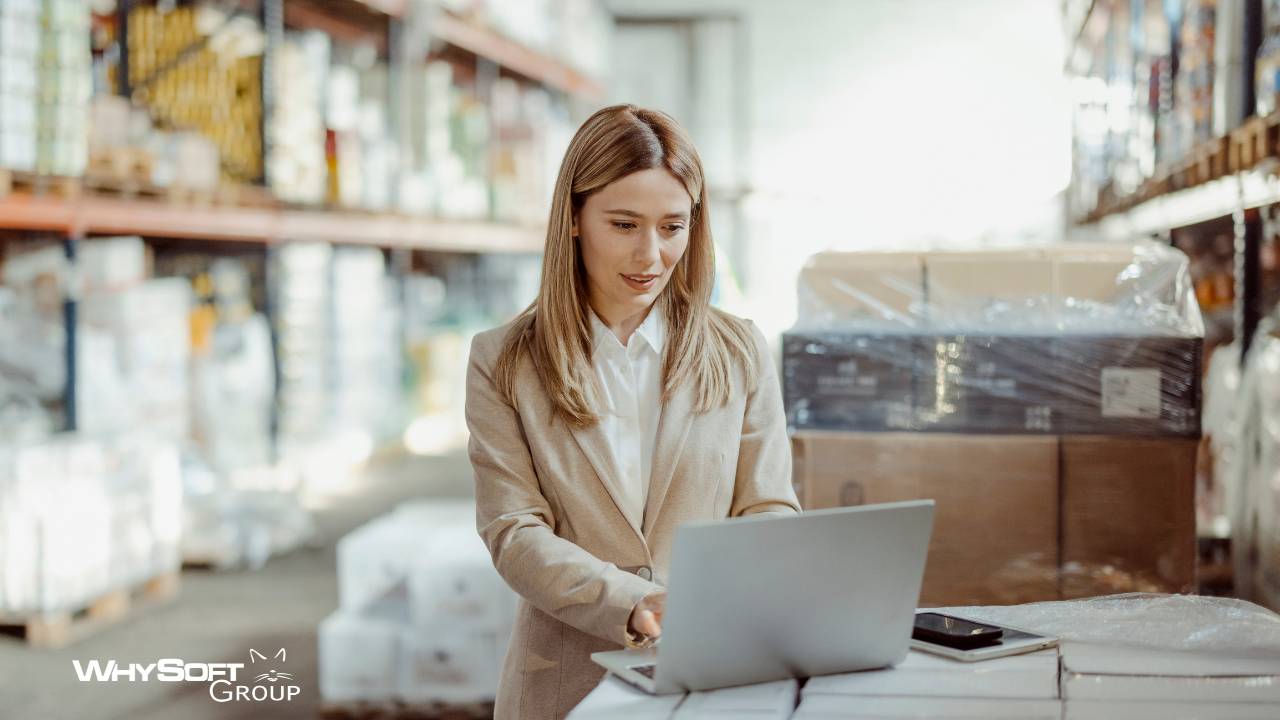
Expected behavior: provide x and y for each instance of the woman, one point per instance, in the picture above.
(619, 405)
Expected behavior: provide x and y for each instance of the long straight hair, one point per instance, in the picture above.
(555, 331)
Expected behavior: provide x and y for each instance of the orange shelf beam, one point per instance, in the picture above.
(104, 215)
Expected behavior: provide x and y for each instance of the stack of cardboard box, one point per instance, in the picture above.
(1047, 399)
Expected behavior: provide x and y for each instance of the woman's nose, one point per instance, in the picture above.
(648, 249)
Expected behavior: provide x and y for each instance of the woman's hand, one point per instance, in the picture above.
(646, 618)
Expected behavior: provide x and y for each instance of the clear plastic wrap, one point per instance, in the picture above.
(1047, 398)
(1184, 623)
(1074, 339)
(1256, 534)
(1157, 648)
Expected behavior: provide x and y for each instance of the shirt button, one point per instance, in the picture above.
(645, 573)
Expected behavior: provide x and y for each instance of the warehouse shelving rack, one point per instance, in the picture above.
(1231, 177)
(1234, 178)
(408, 32)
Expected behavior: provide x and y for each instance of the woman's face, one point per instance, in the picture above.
(633, 233)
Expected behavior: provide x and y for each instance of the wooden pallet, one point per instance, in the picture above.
(39, 184)
(60, 629)
(406, 711)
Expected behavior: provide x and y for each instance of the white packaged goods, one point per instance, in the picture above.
(149, 327)
(446, 666)
(32, 334)
(81, 517)
(423, 569)
(242, 517)
(830, 707)
(65, 83)
(296, 164)
(763, 701)
(1032, 676)
(1108, 709)
(1256, 473)
(233, 388)
(384, 552)
(360, 654)
(110, 264)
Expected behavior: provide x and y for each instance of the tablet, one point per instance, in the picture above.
(1012, 642)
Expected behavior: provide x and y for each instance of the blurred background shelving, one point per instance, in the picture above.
(1175, 138)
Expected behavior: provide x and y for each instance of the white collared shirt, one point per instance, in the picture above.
(631, 379)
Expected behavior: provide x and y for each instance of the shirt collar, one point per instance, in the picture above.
(653, 331)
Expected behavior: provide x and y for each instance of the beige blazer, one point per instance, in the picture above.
(548, 507)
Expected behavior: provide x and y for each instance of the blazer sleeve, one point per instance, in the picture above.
(763, 482)
(516, 522)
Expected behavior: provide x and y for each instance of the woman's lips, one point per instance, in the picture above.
(640, 282)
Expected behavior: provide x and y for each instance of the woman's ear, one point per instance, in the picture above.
(573, 232)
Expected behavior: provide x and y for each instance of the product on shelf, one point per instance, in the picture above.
(20, 41)
(338, 346)
(1267, 66)
(32, 332)
(134, 343)
(1193, 85)
(45, 84)
(296, 166)
(200, 71)
(366, 351)
(423, 616)
(1059, 385)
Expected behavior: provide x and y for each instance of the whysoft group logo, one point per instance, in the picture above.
(269, 682)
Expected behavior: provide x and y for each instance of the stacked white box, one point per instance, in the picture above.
(424, 566)
(19, 58)
(64, 72)
(148, 326)
(360, 652)
(299, 275)
(81, 517)
(366, 344)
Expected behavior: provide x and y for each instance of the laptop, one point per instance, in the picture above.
(766, 598)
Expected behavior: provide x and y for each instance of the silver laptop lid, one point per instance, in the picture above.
(763, 598)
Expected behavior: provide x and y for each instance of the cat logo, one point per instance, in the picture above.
(270, 683)
(272, 675)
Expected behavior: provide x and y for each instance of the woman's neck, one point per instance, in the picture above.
(621, 325)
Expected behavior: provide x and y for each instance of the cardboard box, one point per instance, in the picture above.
(959, 286)
(876, 287)
(1097, 272)
(986, 384)
(1128, 515)
(849, 381)
(1123, 385)
(995, 533)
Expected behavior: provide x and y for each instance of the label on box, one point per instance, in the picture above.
(1130, 392)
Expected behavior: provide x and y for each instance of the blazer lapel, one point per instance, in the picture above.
(596, 447)
(673, 430)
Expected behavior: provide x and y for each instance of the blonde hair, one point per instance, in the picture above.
(555, 331)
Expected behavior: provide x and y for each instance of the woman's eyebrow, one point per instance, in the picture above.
(634, 214)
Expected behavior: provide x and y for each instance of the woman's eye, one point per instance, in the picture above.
(624, 225)
(674, 228)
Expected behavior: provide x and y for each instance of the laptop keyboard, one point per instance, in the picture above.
(645, 670)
